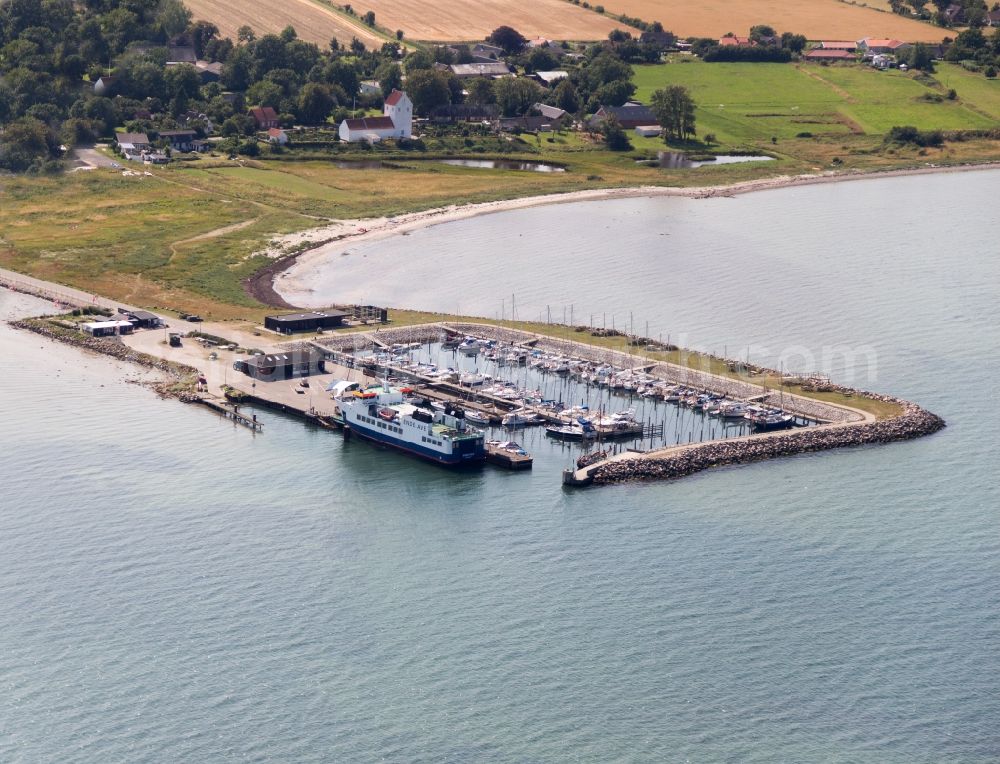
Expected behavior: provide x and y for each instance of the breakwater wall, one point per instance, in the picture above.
(914, 422)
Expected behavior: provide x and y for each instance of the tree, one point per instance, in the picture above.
(428, 90)
(762, 33)
(564, 96)
(674, 109)
(921, 58)
(315, 103)
(615, 137)
(507, 38)
(245, 34)
(480, 91)
(515, 95)
(614, 93)
(369, 18)
(24, 143)
(389, 76)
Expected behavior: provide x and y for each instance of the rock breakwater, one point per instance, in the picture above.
(178, 382)
(679, 462)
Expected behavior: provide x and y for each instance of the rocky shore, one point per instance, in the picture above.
(178, 380)
(914, 422)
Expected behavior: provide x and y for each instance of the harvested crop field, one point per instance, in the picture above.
(312, 22)
(816, 19)
(453, 20)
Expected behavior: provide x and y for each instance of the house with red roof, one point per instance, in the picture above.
(878, 45)
(264, 117)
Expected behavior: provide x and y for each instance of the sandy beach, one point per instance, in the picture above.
(298, 255)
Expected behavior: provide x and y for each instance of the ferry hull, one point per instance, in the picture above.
(445, 460)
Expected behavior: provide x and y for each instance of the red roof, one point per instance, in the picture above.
(742, 42)
(873, 43)
(264, 113)
(370, 123)
(394, 97)
(274, 132)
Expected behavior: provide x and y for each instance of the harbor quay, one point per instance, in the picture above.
(229, 369)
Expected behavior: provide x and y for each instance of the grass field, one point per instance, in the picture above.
(749, 103)
(312, 20)
(450, 20)
(816, 19)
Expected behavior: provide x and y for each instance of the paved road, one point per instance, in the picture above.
(91, 157)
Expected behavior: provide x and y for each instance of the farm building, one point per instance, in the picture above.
(469, 71)
(305, 322)
(289, 364)
(821, 54)
(396, 122)
(872, 45)
(629, 116)
(838, 45)
(132, 144)
(550, 78)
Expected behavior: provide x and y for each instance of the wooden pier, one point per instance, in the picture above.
(232, 411)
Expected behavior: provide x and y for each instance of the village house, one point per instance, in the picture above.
(954, 14)
(181, 54)
(180, 140)
(630, 116)
(264, 117)
(369, 88)
(486, 51)
(557, 117)
(277, 135)
(492, 70)
(396, 122)
(209, 71)
(872, 45)
(732, 41)
(132, 145)
(993, 18)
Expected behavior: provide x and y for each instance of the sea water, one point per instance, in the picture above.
(174, 588)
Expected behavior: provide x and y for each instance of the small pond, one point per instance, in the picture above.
(504, 164)
(673, 160)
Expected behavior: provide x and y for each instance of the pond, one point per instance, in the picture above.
(673, 160)
(504, 164)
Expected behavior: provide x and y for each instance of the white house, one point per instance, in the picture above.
(277, 135)
(396, 122)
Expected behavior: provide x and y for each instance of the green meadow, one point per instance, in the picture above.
(751, 103)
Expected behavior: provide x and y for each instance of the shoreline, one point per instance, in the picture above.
(270, 284)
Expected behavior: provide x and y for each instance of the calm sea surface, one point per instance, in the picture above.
(173, 589)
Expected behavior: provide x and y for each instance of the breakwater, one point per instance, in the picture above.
(914, 422)
(178, 382)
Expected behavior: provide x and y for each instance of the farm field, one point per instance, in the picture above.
(453, 20)
(750, 103)
(311, 20)
(816, 19)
